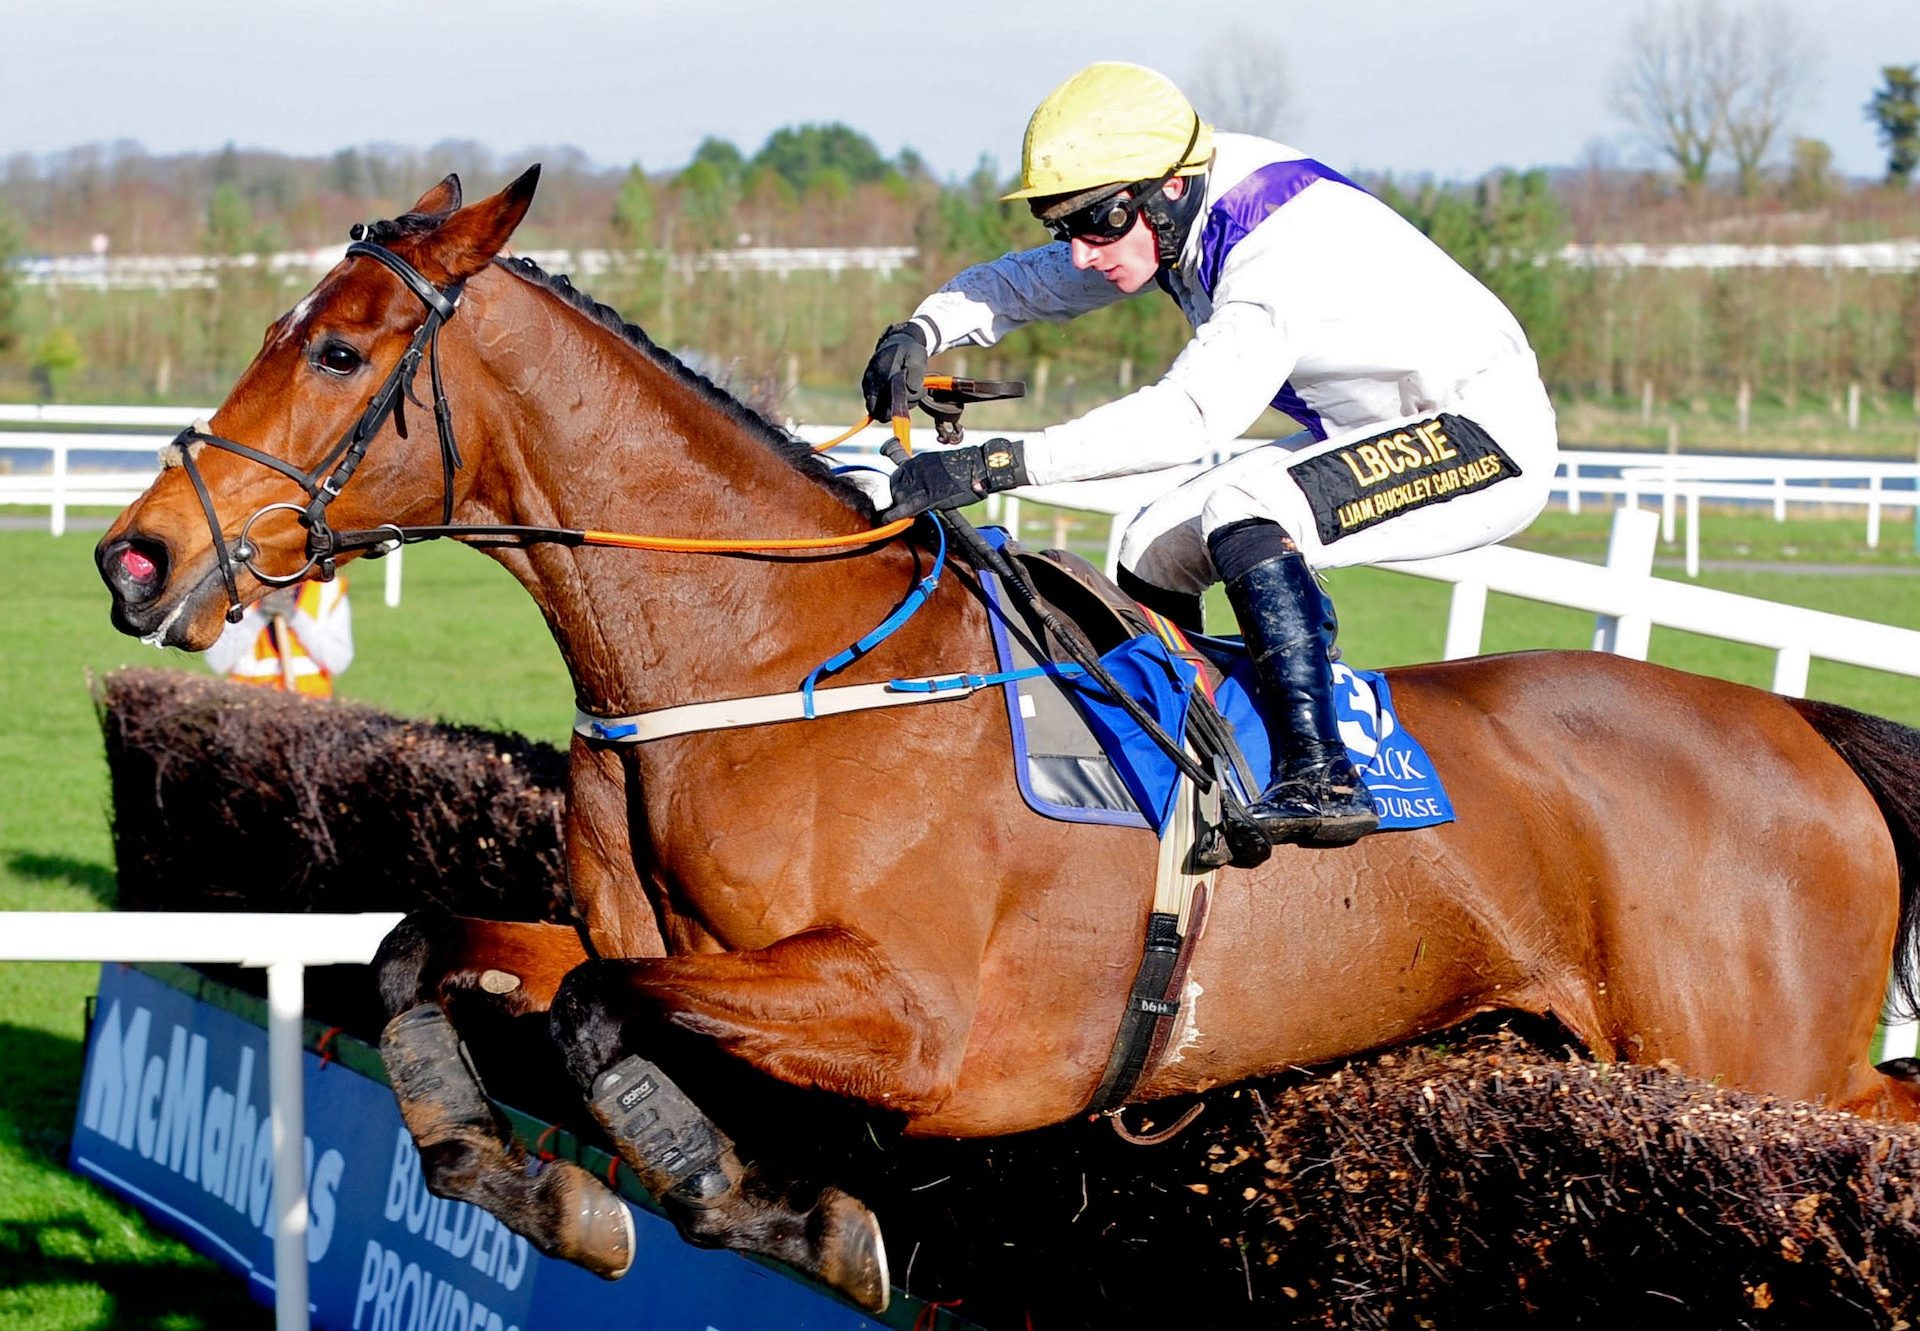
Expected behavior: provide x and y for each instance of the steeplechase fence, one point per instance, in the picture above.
(1623, 595)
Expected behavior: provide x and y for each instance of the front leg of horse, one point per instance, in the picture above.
(466, 1150)
(816, 1010)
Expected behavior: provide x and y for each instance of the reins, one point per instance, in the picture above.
(324, 482)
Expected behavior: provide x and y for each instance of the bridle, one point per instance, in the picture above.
(330, 475)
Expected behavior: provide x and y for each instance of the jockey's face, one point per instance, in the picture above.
(1131, 261)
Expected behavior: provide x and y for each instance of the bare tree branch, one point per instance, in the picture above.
(1241, 83)
(1702, 76)
(1770, 54)
(1671, 88)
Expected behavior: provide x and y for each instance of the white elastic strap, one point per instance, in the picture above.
(763, 710)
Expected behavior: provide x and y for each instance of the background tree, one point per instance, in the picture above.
(1507, 232)
(635, 212)
(1764, 72)
(1810, 177)
(55, 357)
(9, 283)
(1240, 83)
(706, 193)
(1895, 111)
(230, 228)
(1701, 76)
(802, 153)
(1668, 87)
(720, 158)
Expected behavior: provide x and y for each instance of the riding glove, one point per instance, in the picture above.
(900, 353)
(955, 477)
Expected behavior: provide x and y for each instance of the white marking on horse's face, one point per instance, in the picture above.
(1189, 1019)
(296, 318)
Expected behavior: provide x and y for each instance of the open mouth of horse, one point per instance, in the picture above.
(137, 571)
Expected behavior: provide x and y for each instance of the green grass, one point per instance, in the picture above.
(468, 645)
(1889, 425)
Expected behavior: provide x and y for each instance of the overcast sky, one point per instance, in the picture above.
(1447, 87)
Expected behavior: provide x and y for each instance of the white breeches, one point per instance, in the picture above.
(1365, 496)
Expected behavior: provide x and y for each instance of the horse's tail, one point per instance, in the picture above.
(1885, 755)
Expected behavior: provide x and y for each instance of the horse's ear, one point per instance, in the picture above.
(466, 242)
(442, 198)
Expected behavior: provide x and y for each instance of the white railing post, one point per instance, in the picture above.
(1790, 666)
(393, 577)
(286, 1005)
(57, 520)
(283, 945)
(1573, 488)
(1630, 549)
(1466, 620)
(1873, 511)
(1693, 533)
(1669, 482)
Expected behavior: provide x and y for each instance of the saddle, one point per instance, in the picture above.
(1071, 591)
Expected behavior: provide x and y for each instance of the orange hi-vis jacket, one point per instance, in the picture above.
(305, 650)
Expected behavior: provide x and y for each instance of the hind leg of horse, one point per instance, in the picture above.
(813, 1010)
(466, 1151)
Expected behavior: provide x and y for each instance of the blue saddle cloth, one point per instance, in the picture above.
(1079, 757)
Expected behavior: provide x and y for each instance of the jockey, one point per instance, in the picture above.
(295, 639)
(1426, 427)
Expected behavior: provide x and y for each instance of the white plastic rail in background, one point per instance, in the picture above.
(285, 945)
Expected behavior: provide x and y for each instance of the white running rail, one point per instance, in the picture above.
(285, 945)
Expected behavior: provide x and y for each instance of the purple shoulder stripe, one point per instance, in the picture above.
(1238, 212)
(1288, 400)
(1250, 203)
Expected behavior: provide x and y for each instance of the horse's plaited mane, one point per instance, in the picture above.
(795, 450)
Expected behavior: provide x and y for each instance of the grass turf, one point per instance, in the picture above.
(468, 645)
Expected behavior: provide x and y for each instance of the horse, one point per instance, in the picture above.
(860, 904)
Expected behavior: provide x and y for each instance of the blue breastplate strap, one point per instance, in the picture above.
(884, 629)
(1058, 670)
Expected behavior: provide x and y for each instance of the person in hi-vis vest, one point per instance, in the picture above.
(295, 639)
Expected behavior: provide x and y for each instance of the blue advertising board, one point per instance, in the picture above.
(173, 1116)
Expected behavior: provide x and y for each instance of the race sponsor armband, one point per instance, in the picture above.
(1362, 484)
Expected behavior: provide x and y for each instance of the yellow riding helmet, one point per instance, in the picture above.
(1112, 123)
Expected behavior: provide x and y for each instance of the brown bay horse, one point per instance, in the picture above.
(862, 904)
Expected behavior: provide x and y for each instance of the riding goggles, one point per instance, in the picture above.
(1101, 222)
(1111, 216)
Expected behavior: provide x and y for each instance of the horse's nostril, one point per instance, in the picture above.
(137, 566)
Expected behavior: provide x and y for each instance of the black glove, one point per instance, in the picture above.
(955, 477)
(901, 352)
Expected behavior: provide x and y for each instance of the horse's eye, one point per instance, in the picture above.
(338, 358)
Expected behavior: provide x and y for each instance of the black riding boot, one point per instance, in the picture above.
(1316, 796)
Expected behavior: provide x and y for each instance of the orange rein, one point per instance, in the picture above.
(900, 424)
(696, 545)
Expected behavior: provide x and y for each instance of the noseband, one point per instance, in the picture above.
(330, 475)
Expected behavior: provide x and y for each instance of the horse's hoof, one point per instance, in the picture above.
(852, 1255)
(599, 1231)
